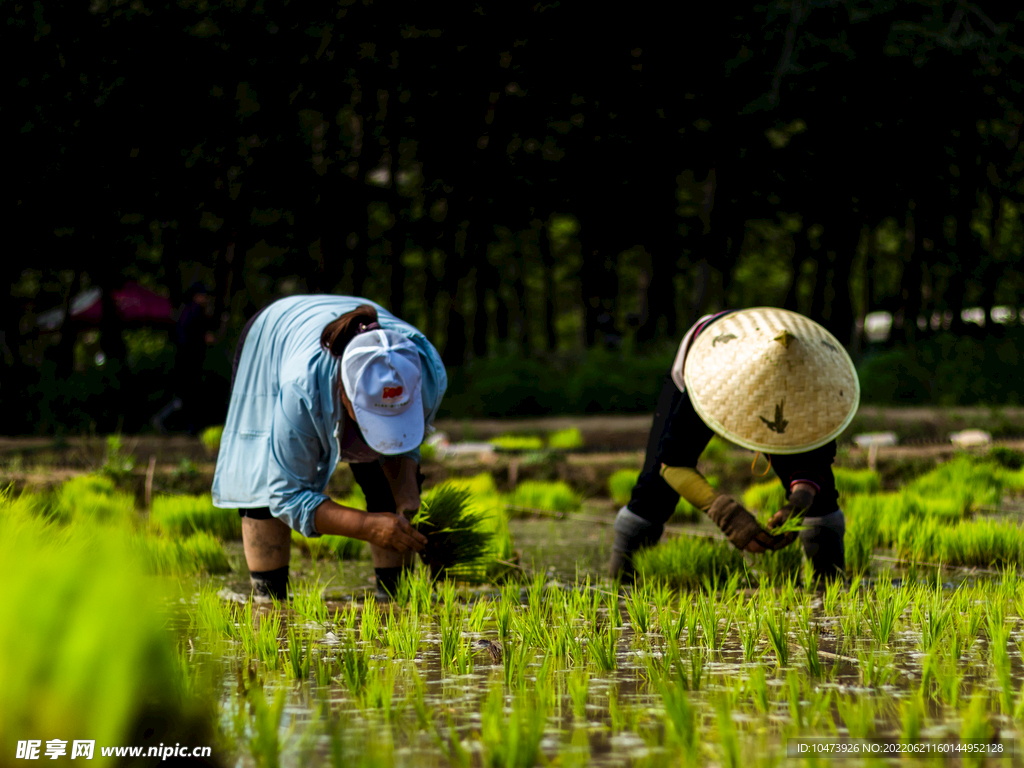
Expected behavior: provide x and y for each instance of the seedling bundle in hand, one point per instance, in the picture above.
(458, 543)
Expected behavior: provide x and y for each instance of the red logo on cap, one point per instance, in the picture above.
(392, 392)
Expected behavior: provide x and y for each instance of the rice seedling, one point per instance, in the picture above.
(976, 728)
(641, 617)
(757, 687)
(936, 620)
(776, 626)
(379, 692)
(354, 663)
(299, 656)
(266, 631)
(456, 542)
(211, 437)
(329, 545)
(307, 602)
(512, 741)
(180, 516)
(565, 439)
(403, 634)
(553, 496)
(912, 718)
(830, 600)
(578, 684)
(710, 621)
(199, 553)
(681, 722)
(858, 714)
(265, 745)
(876, 669)
(750, 634)
(685, 561)
(884, 611)
(601, 646)
(998, 646)
(728, 739)
(809, 635)
(323, 672)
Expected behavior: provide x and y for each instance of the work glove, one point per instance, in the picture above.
(740, 527)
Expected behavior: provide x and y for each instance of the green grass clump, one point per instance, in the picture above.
(481, 484)
(199, 553)
(620, 488)
(555, 496)
(458, 542)
(565, 439)
(329, 545)
(970, 481)
(85, 652)
(853, 481)
(517, 443)
(93, 498)
(985, 543)
(180, 516)
(686, 561)
(765, 497)
(210, 438)
(620, 484)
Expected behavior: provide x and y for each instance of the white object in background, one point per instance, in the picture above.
(970, 437)
(871, 441)
(868, 439)
(452, 449)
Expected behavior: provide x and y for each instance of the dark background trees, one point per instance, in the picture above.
(551, 193)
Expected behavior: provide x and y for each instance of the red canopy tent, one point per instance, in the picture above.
(135, 305)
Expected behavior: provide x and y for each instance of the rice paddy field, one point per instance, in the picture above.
(130, 624)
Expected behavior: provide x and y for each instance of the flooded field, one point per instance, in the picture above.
(138, 626)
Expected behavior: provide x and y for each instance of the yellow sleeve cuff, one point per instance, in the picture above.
(691, 485)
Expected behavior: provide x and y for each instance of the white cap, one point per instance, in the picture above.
(380, 371)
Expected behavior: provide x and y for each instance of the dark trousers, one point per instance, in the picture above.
(678, 437)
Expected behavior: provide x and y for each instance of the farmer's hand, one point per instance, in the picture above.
(740, 527)
(800, 499)
(391, 531)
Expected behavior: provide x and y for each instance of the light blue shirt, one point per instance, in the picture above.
(280, 441)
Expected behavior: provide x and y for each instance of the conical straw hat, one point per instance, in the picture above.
(771, 380)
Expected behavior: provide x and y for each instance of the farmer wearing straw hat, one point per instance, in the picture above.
(317, 380)
(769, 380)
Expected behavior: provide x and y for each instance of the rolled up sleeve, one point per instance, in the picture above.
(296, 459)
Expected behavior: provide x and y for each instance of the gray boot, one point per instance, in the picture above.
(632, 533)
(822, 540)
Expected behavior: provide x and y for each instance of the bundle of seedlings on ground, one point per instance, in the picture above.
(458, 542)
(517, 443)
(565, 439)
(184, 515)
(329, 545)
(551, 496)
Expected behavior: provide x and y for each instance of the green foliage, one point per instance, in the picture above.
(179, 516)
(210, 438)
(117, 463)
(199, 553)
(93, 498)
(329, 545)
(85, 652)
(565, 439)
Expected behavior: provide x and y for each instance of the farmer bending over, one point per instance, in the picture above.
(317, 380)
(769, 380)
